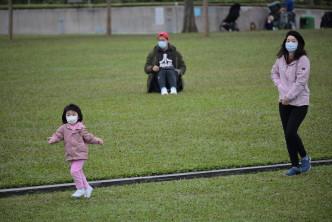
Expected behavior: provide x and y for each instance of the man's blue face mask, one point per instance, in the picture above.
(291, 46)
(162, 44)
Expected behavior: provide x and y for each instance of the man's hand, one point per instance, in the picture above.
(155, 68)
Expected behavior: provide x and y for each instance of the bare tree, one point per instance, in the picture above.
(189, 24)
(10, 21)
(108, 28)
(206, 18)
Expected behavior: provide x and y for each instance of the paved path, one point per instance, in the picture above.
(157, 178)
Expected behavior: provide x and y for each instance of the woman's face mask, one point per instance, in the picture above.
(162, 44)
(291, 46)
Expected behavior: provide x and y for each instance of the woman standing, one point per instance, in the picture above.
(290, 74)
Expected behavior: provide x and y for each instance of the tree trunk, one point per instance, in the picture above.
(189, 24)
(108, 28)
(206, 18)
(10, 20)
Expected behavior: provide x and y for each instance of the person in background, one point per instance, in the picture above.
(165, 67)
(290, 75)
(269, 23)
(290, 6)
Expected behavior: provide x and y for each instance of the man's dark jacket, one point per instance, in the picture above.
(152, 60)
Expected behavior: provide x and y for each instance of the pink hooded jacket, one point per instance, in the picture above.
(292, 80)
(75, 141)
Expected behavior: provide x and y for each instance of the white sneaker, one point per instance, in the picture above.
(164, 91)
(79, 193)
(173, 91)
(88, 192)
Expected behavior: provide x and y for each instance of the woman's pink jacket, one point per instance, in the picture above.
(75, 141)
(292, 80)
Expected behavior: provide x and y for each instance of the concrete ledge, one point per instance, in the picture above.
(157, 178)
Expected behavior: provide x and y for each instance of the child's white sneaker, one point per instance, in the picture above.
(173, 91)
(79, 193)
(88, 192)
(164, 91)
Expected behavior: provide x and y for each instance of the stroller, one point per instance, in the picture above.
(229, 23)
(326, 20)
(278, 19)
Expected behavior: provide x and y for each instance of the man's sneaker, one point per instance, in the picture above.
(173, 91)
(164, 91)
(293, 171)
(88, 192)
(305, 163)
(79, 193)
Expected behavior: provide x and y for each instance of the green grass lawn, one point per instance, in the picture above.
(267, 196)
(227, 115)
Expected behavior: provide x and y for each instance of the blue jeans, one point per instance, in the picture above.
(169, 75)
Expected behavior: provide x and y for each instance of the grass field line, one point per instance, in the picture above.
(156, 178)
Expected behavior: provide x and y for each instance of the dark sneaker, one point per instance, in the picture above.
(305, 163)
(293, 171)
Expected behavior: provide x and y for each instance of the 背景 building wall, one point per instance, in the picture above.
(131, 20)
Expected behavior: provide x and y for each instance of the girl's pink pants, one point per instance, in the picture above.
(77, 173)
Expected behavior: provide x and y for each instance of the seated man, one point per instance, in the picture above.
(165, 67)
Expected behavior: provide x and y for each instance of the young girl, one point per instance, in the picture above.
(75, 137)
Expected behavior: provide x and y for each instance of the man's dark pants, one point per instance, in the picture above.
(167, 75)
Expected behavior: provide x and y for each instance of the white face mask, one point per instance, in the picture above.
(71, 119)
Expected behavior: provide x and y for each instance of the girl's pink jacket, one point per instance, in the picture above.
(75, 141)
(292, 80)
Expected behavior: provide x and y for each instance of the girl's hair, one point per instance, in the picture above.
(72, 107)
(300, 46)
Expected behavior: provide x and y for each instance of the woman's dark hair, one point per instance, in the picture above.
(72, 107)
(300, 46)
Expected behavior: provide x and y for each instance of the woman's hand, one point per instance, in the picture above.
(155, 68)
(284, 102)
(100, 142)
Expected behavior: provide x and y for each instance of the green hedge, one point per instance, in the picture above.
(55, 2)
